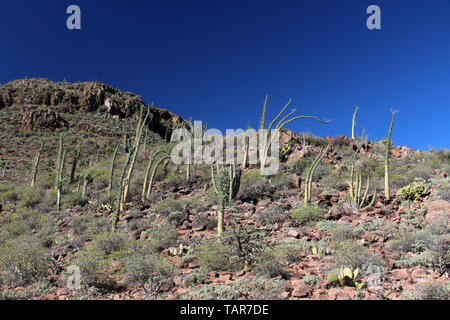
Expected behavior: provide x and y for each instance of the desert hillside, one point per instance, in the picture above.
(86, 184)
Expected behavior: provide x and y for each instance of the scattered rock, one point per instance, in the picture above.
(302, 291)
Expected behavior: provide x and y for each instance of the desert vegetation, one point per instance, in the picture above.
(86, 181)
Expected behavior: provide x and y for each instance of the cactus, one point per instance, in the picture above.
(111, 172)
(59, 181)
(152, 177)
(280, 125)
(386, 160)
(309, 176)
(139, 129)
(76, 158)
(120, 202)
(194, 133)
(58, 158)
(355, 192)
(262, 124)
(60, 170)
(5, 164)
(87, 179)
(147, 173)
(354, 123)
(346, 276)
(414, 191)
(246, 149)
(226, 184)
(36, 165)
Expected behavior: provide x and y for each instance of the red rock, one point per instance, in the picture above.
(198, 227)
(351, 292)
(293, 234)
(178, 280)
(63, 297)
(62, 292)
(182, 291)
(194, 264)
(302, 291)
(401, 273)
(50, 297)
(116, 266)
(224, 277)
(285, 294)
(20, 289)
(419, 273)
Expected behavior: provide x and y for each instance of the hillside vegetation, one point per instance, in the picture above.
(86, 183)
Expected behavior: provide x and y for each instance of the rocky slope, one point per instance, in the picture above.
(166, 246)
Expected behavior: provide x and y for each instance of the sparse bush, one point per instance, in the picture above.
(209, 222)
(268, 266)
(312, 280)
(415, 241)
(290, 251)
(96, 262)
(258, 288)
(430, 291)
(308, 214)
(271, 215)
(23, 260)
(353, 255)
(196, 277)
(334, 183)
(162, 237)
(215, 256)
(149, 271)
(255, 187)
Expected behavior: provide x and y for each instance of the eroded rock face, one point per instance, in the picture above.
(41, 119)
(64, 97)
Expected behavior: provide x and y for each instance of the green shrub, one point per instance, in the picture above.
(268, 266)
(312, 280)
(414, 191)
(23, 260)
(415, 241)
(197, 276)
(353, 255)
(255, 187)
(431, 291)
(30, 197)
(96, 261)
(215, 256)
(271, 215)
(209, 222)
(149, 271)
(309, 214)
(258, 288)
(162, 237)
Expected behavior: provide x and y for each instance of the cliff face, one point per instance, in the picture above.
(53, 98)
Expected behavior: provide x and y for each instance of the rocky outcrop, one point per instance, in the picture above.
(64, 97)
(41, 119)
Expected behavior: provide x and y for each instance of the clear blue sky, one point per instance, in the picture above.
(216, 60)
